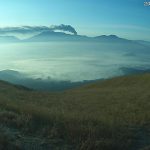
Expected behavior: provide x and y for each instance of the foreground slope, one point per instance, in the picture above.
(106, 115)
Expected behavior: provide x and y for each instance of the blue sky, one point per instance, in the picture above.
(125, 18)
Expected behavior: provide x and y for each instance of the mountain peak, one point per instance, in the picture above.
(113, 36)
(108, 36)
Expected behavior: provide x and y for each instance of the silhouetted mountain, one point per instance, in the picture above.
(111, 38)
(60, 36)
(56, 36)
(47, 36)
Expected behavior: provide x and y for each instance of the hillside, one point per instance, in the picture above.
(105, 115)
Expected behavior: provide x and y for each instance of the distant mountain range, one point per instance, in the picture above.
(60, 36)
(56, 36)
(48, 36)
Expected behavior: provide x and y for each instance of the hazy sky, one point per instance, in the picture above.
(125, 18)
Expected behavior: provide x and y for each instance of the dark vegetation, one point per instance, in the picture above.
(106, 115)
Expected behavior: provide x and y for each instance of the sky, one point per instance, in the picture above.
(125, 18)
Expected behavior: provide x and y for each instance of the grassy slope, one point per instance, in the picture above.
(106, 115)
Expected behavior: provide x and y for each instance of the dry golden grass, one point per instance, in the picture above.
(105, 115)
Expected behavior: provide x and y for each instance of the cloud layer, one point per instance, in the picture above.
(36, 29)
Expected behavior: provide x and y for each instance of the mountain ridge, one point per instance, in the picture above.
(47, 36)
